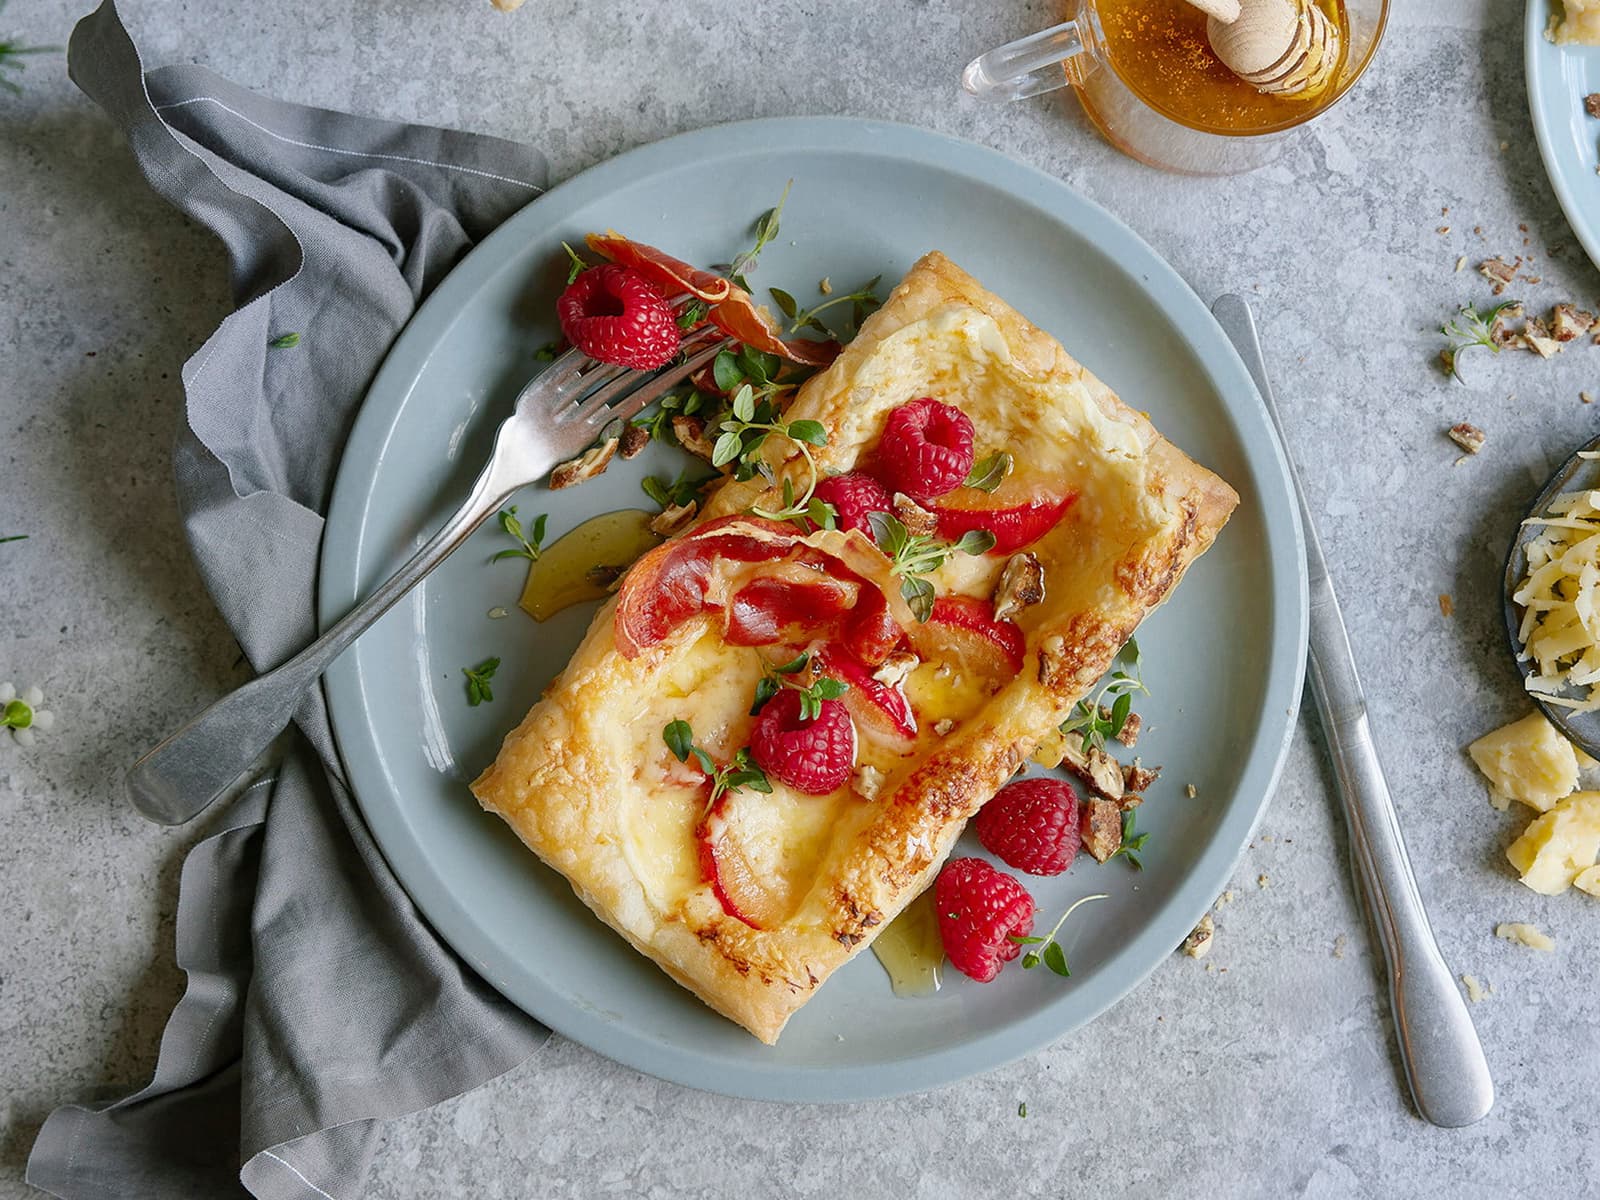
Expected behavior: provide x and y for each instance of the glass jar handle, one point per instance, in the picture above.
(1025, 67)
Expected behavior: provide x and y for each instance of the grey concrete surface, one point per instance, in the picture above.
(1272, 1075)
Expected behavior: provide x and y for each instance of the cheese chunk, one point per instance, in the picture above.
(1527, 935)
(1580, 26)
(1527, 760)
(1589, 881)
(1560, 845)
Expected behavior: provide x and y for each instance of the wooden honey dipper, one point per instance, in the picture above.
(1282, 47)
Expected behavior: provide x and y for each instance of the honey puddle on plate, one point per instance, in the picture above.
(911, 950)
(585, 563)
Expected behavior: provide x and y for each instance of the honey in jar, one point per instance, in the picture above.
(1160, 50)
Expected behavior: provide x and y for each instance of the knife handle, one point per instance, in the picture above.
(1439, 1047)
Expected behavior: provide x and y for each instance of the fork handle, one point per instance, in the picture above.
(180, 777)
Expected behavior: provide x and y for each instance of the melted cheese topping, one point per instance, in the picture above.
(1580, 25)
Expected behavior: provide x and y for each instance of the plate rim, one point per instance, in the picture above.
(338, 584)
(1535, 50)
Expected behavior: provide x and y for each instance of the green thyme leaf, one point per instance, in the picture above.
(811, 432)
(1050, 951)
(656, 491)
(919, 596)
(284, 341)
(725, 371)
(766, 689)
(693, 313)
(478, 677)
(795, 666)
(744, 403)
(548, 351)
(766, 230)
(726, 449)
(528, 546)
(988, 472)
(1132, 842)
(784, 301)
(679, 738)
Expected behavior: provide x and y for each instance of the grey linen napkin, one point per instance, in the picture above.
(318, 1001)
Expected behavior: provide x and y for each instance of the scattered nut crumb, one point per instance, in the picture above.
(1567, 322)
(1447, 606)
(943, 726)
(1469, 437)
(587, 465)
(1442, 229)
(1527, 935)
(919, 522)
(868, 780)
(1021, 586)
(825, 287)
(1591, 104)
(497, 614)
(1461, 262)
(1138, 778)
(691, 434)
(1198, 943)
(1263, 881)
(1190, 790)
(634, 439)
(1586, 397)
(1128, 735)
(1102, 828)
(1477, 993)
(1504, 146)
(1339, 943)
(673, 519)
(1498, 272)
(1227, 897)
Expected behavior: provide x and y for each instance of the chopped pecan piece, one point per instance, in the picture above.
(673, 518)
(1198, 943)
(1021, 585)
(1128, 735)
(691, 435)
(587, 465)
(1130, 800)
(1499, 272)
(1500, 331)
(1102, 828)
(1469, 437)
(1568, 323)
(1096, 768)
(634, 439)
(1591, 104)
(943, 726)
(1535, 336)
(1137, 778)
(919, 522)
(896, 667)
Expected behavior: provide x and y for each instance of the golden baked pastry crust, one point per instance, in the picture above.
(568, 779)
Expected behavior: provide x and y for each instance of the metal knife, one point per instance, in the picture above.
(1443, 1058)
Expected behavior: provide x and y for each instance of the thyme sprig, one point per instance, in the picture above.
(775, 678)
(478, 677)
(1127, 677)
(863, 301)
(1132, 842)
(1046, 949)
(1469, 330)
(766, 231)
(745, 429)
(732, 776)
(528, 546)
(913, 555)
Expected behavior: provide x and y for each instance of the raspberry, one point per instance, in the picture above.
(813, 757)
(616, 315)
(980, 910)
(854, 495)
(926, 449)
(1032, 825)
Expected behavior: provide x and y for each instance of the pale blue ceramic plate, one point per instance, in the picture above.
(1224, 659)
(1559, 77)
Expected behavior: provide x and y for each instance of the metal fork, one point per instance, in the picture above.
(558, 414)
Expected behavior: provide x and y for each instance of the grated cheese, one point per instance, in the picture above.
(1560, 599)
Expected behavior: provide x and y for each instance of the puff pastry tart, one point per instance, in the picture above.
(753, 900)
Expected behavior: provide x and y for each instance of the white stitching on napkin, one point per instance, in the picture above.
(424, 162)
(296, 1170)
